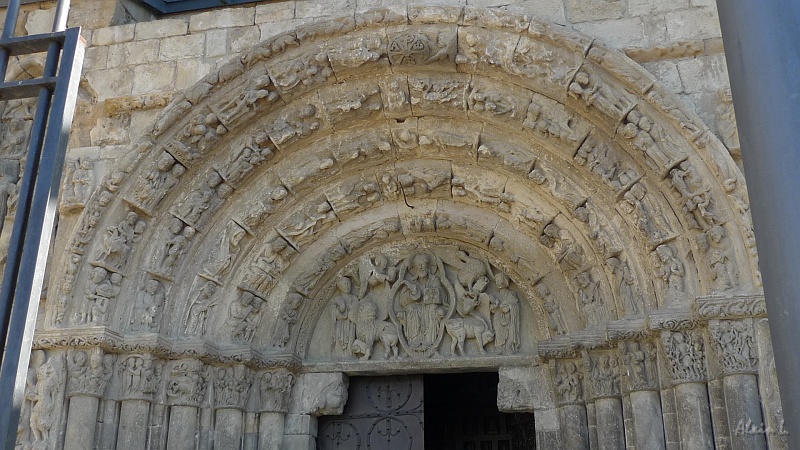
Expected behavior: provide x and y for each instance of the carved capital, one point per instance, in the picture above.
(603, 369)
(568, 382)
(641, 364)
(685, 352)
(186, 382)
(89, 372)
(275, 388)
(139, 375)
(735, 345)
(231, 386)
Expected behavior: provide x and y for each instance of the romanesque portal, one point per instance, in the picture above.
(455, 189)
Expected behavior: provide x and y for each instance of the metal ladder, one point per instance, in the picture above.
(56, 92)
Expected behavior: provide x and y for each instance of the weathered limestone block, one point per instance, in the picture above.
(318, 394)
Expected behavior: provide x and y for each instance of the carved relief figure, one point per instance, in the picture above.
(555, 320)
(672, 271)
(116, 245)
(220, 260)
(686, 355)
(99, 293)
(139, 375)
(239, 325)
(8, 190)
(715, 248)
(146, 307)
(200, 306)
(231, 386)
(344, 312)
(726, 122)
(604, 371)
(646, 215)
(78, 184)
(370, 329)
(735, 345)
(289, 313)
(163, 175)
(568, 383)
(175, 245)
(50, 376)
(31, 391)
(625, 284)
(505, 317)
(695, 195)
(590, 299)
(267, 266)
(88, 374)
(594, 93)
(421, 301)
(641, 364)
(185, 383)
(275, 389)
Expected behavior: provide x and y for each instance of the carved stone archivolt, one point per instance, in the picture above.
(389, 191)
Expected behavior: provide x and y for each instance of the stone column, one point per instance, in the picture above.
(735, 346)
(275, 389)
(603, 372)
(250, 431)
(671, 434)
(138, 375)
(645, 402)
(185, 391)
(685, 356)
(88, 377)
(231, 392)
(314, 394)
(571, 409)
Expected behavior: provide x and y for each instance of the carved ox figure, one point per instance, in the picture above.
(470, 327)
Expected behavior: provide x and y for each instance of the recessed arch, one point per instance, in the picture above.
(534, 139)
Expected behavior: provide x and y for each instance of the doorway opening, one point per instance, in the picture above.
(461, 414)
(425, 412)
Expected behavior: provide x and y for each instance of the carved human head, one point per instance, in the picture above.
(131, 218)
(421, 264)
(80, 358)
(175, 226)
(501, 280)
(152, 286)
(164, 162)
(344, 285)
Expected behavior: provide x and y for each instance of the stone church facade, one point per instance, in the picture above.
(263, 201)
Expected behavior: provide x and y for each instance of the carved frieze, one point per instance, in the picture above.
(186, 382)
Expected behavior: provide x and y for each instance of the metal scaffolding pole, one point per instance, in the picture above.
(762, 48)
(29, 246)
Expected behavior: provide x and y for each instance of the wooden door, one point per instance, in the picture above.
(382, 413)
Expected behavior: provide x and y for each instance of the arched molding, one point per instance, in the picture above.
(484, 100)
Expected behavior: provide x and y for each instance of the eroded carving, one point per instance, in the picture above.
(734, 342)
(640, 360)
(685, 351)
(118, 242)
(146, 307)
(88, 373)
(275, 388)
(568, 383)
(101, 290)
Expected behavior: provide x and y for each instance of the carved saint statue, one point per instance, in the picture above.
(146, 306)
(286, 318)
(194, 322)
(505, 317)
(421, 299)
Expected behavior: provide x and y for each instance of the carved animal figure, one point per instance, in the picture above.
(462, 328)
(378, 329)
